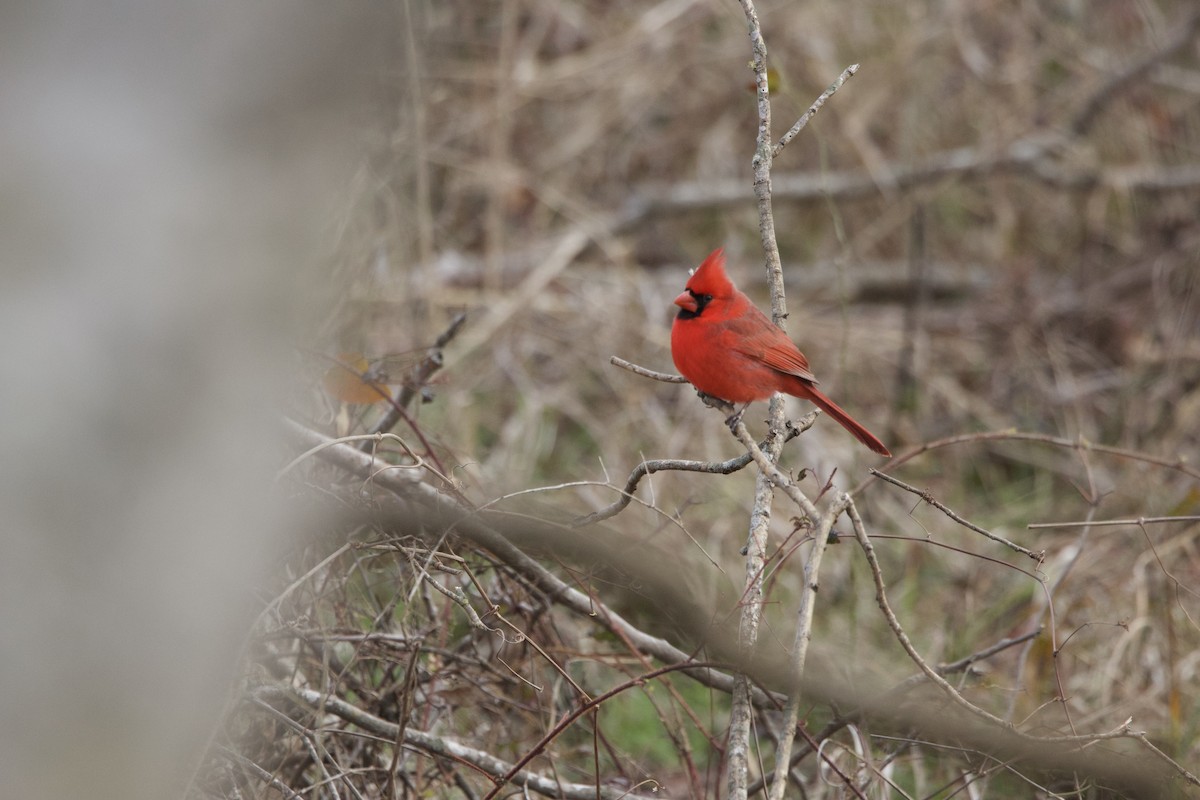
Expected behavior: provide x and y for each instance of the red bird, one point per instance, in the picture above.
(727, 348)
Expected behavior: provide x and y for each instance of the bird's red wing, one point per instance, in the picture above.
(760, 339)
(786, 358)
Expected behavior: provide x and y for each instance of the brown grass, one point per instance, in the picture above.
(1053, 299)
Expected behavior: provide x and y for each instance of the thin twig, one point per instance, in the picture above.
(458, 596)
(1179, 464)
(570, 718)
(406, 704)
(1121, 732)
(835, 725)
(485, 763)
(928, 497)
(360, 437)
(1145, 740)
(665, 377)
(774, 474)
(988, 652)
(665, 464)
(804, 623)
(813, 109)
(437, 504)
(264, 776)
(425, 502)
(1113, 522)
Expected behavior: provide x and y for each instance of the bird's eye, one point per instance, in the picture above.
(708, 298)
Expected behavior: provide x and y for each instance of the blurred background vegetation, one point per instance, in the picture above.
(993, 226)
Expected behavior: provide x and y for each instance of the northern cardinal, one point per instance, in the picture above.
(729, 349)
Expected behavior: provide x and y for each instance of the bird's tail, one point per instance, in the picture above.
(845, 420)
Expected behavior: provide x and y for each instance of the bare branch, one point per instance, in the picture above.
(1179, 768)
(465, 521)
(804, 623)
(988, 652)
(802, 123)
(1121, 732)
(664, 464)
(1113, 522)
(429, 509)
(928, 497)
(262, 774)
(774, 474)
(769, 473)
(1179, 463)
(570, 719)
(665, 377)
(491, 767)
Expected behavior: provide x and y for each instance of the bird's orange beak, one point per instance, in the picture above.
(686, 301)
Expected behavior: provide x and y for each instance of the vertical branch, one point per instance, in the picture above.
(760, 518)
(822, 525)
(808, 603)
(742, 709)
(769, 475)
(764, 154)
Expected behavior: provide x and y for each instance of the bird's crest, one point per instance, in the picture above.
(710, 278)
